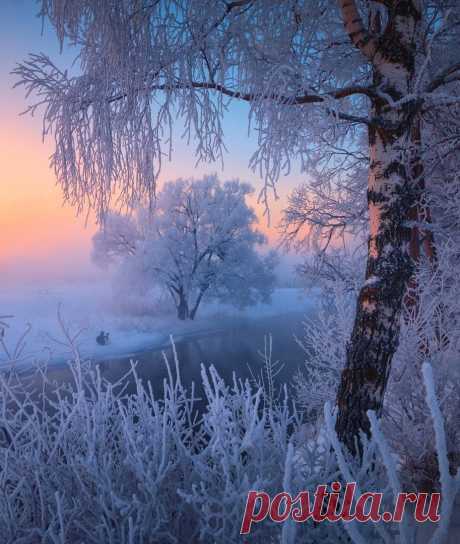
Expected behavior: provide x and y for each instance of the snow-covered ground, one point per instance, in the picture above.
(92, 307)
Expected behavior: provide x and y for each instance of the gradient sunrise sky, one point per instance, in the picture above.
(40, 238)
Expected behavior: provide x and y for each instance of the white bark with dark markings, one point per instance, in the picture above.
(392, 192)
(290, 60)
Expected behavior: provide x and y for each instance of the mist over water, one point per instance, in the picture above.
(140, 328)
(236, 349)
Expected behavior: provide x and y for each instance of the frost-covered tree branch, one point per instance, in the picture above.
(340, 71)
(200, 243)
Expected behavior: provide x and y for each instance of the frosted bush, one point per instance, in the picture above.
(83, 461)
(324, 343)
(429, 332)
(379, 470)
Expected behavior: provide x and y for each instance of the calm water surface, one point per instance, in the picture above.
(234, 348)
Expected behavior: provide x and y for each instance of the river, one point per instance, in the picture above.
(233, 348)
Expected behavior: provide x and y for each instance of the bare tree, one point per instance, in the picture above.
(309, 70)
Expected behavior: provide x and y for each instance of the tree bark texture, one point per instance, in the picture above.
(395, 184)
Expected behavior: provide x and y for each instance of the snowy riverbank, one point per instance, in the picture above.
(92, 307)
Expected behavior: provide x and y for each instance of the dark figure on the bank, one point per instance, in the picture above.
(103, 338)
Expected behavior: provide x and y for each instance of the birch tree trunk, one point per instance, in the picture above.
(394, 146)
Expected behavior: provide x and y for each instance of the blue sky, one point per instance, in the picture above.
(41, 237)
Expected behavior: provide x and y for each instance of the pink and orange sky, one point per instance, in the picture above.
(40, 237)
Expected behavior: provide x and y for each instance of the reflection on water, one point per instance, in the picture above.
(234, 349)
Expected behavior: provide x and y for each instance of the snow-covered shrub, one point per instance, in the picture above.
(83, 461)
(430, 332)
(337, 274)
(326, 333)
(379, 471)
